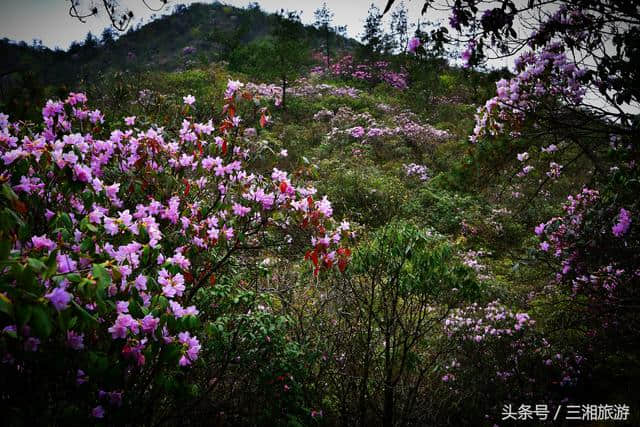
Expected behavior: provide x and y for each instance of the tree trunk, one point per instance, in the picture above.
(326, 30)
(387, 415)
(284, 91)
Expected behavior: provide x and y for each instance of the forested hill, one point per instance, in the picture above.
(194, 35)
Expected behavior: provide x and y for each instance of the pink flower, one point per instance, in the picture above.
(189, 99)
(75, 340)
(413, 45)
(42, 242)
(59, 297)
(624, 221)
(122, 325)
(97, 412)
(149, 323)
(171, 285)
(240, 210)
(130, 121)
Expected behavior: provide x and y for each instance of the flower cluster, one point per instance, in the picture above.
(120, 230)
(543, 74)
(364, 127)
(419, 171)
(302, 88)
(374, 72)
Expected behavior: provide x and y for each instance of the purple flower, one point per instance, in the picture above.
(357, 132)
(191, 346)
(81, 377)
(97, 412)
(40, 242)
(240, 210)
(624, 221)
(130, 121)
(59, 297)
(414, 44)
(31, 344)
(65, 263)
(75, 340)
(171, 285)
(122, 307)
(149, 323)
(122, 325)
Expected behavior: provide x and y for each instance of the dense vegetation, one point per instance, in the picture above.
(242, 220)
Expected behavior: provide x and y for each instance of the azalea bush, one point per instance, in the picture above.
(112, 242)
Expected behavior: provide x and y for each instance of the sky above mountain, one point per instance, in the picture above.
(49, 20)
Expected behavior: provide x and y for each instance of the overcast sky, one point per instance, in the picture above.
(49, 20)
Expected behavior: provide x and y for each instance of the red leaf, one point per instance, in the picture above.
(314, 258)
(224, 147)
(188, 277)
(263, 120)
(231, 111)
(283, 187)
(20, 206)
(188, 186)
(310, 201)
(212, 279)
(342, 264)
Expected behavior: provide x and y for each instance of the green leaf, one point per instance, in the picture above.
(36, 264)
(65, 219)
(84, 314)
(52, 265)
(8, 193)
(41, 321)
(23, 314)
(5, 249)
(102, 276)
(6, 306)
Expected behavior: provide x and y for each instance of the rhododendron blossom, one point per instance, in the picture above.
(130, 224)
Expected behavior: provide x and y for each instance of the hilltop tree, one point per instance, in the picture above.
(373, 33)
(290, 48)
(323, 18)
(282, 56)
(107, 38)
(399, 27)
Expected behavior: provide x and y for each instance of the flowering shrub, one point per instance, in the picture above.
(419, 171)
(404, 124)
(597, 268)
(541, 75)
(301, 87)
(374, 72)
(108, 238)
(498, 354)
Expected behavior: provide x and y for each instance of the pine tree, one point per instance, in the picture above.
(324, 17)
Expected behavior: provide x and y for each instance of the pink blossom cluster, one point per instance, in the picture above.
(142, 217)
(543, 74)
(373, 72)
(364, 127)
(419, 171)
(485, 323)
(302, 88)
